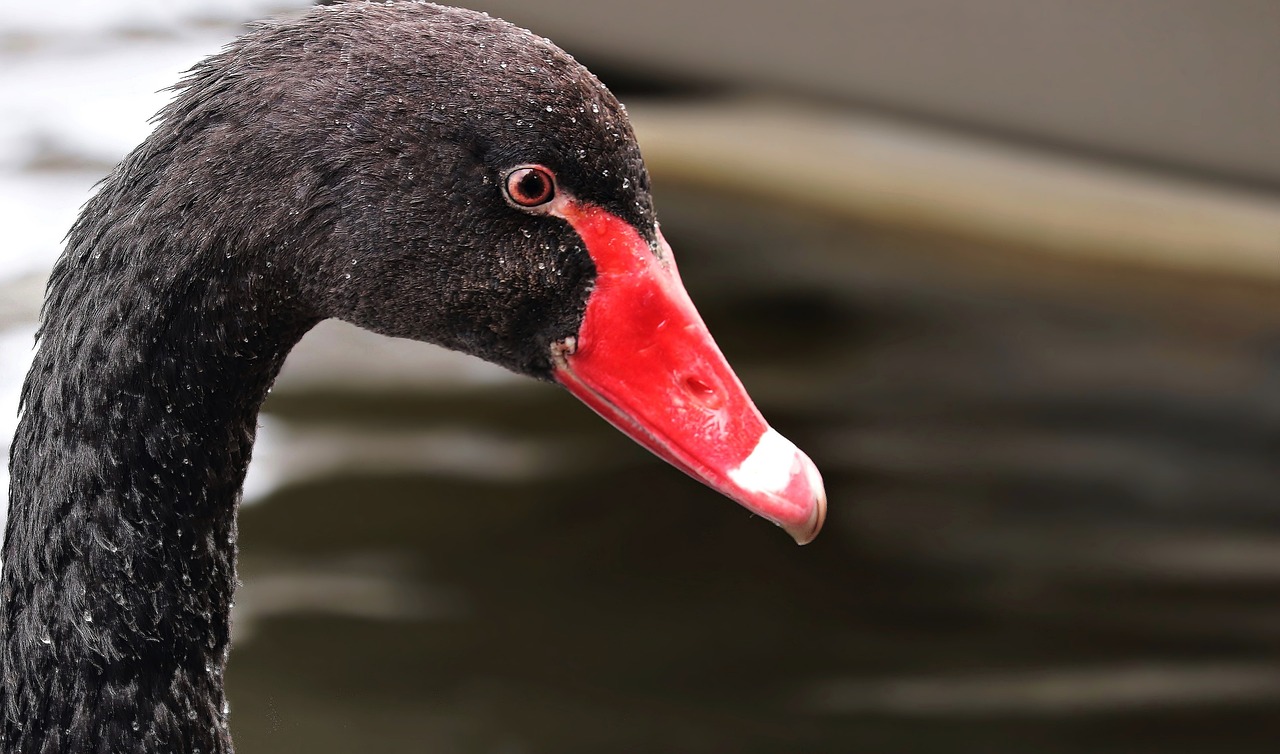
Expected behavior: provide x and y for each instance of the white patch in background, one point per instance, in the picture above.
(770, 465)
(96, 18)
(35, 211)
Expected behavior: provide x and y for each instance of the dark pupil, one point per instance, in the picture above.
(531, 187)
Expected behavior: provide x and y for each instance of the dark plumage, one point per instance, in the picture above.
(346, 164)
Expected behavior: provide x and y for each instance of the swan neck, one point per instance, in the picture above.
(136, 430)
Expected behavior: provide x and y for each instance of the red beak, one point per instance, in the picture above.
(644, 360)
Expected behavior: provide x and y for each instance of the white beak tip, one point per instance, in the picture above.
(808, 531)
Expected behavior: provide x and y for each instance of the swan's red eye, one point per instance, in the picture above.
(530, 186)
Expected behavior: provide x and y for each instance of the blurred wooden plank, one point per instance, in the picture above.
(886, 172)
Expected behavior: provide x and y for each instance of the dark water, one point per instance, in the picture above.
(1054, 527)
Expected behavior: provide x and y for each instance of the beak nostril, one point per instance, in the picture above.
(702, 392)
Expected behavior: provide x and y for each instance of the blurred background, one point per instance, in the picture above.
(1008, 271)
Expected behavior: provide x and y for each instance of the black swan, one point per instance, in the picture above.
(422, 172)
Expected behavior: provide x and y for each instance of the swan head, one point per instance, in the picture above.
(445, 176)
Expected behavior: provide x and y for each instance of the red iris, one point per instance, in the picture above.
(530, 186)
